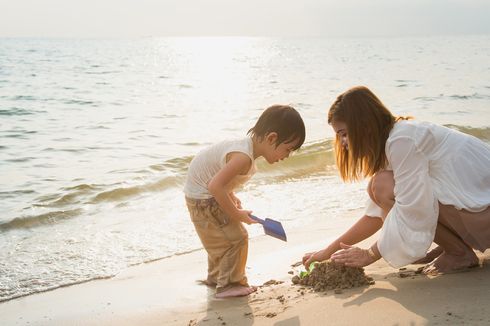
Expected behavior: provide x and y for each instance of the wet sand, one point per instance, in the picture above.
(165, 292)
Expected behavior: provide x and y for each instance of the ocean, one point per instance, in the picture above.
(96, 136)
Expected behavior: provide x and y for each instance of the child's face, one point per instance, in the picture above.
(275, 154)
(340, 129)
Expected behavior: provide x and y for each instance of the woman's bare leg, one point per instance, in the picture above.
(457, 255)
(431, 255)
(452, 255)
(381, 190)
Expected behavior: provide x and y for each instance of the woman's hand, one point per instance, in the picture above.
(308, 259)
(352, 256)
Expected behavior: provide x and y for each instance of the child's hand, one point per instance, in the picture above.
(244, 216)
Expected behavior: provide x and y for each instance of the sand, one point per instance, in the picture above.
(327, 276)
(165, 292)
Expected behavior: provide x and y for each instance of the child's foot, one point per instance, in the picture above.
(448, 263)
(236, 291)
(431, 255)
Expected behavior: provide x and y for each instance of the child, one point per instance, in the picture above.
(216, 212)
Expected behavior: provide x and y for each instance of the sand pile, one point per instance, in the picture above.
(330, 276)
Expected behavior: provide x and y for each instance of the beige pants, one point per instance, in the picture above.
(225, 240)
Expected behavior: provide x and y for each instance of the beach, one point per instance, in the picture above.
(104, 107)
(96, 139)
(165, 292)
(97, 135)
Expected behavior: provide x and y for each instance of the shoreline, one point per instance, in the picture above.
(166, 292)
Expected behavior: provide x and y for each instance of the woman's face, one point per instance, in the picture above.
(340, 128)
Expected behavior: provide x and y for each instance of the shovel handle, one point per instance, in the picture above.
(258, 219)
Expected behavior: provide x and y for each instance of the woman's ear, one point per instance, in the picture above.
(271, 138)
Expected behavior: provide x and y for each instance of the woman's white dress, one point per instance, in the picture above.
(430, 164)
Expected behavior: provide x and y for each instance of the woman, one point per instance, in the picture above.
(429, 183)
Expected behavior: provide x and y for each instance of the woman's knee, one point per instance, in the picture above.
(382, 186)
(370, 190)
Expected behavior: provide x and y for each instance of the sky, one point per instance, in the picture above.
(288, 18)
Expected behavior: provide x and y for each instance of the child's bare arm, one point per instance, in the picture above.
(238, 163)
(236, 200)
(362, 229)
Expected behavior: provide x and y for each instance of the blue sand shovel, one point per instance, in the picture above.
(272, 228)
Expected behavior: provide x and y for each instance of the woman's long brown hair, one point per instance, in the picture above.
(369, 124)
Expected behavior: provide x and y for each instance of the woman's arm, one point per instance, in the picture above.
(356, 257)
(365, 227)
(410, 225)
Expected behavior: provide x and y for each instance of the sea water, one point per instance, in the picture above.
(96, 136)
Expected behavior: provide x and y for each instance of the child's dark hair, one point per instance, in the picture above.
(283, 120)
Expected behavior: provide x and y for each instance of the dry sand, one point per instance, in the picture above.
(165, 293)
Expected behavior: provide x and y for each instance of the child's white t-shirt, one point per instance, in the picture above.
(208, 162)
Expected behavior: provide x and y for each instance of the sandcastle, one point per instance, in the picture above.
(330, 276)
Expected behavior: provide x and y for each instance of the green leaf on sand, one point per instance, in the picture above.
(310, 269)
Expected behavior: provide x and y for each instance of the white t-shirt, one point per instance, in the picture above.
(208, 162)
(430, 163)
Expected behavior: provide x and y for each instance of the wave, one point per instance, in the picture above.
(68, 196)
(178, 165)
(7, 296)
(121, 194)
(84, 194)
(15, 111)
(26, 292)
(15, 193)
(38, 220)
(81, 102)
(311, 159)
(474, 96)
(482, 133)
